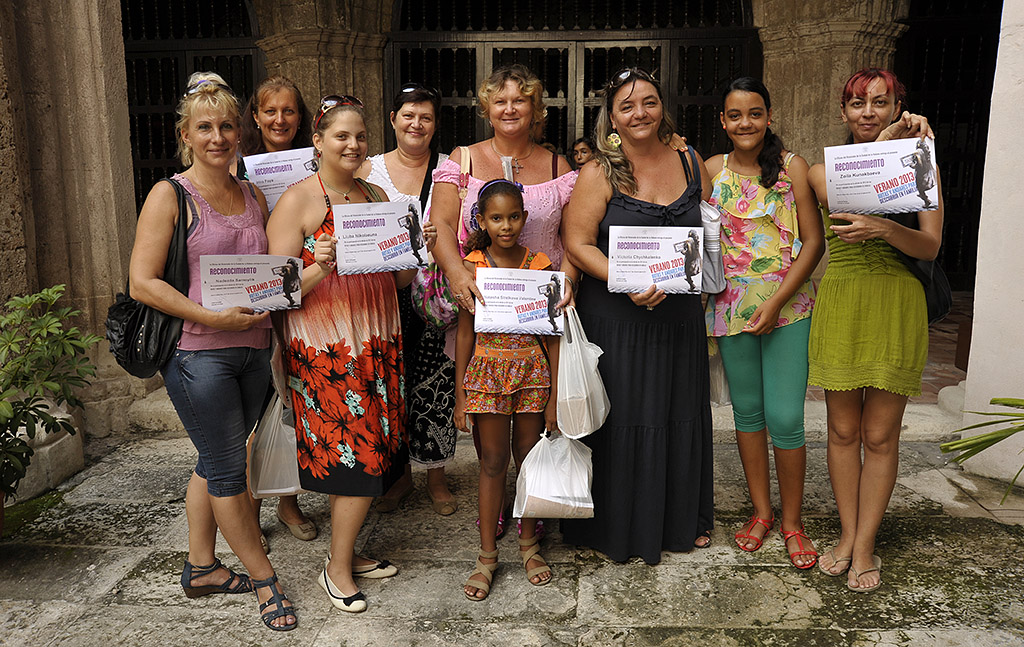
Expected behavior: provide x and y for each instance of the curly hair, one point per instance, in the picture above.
(528, 84)
(480, 239)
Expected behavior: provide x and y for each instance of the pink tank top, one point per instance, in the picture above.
(215, 233)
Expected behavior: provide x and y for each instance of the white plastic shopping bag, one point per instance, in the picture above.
(274, 465)
(554, 480)
(582, 401)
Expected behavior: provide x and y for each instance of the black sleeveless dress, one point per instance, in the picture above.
(653, 457)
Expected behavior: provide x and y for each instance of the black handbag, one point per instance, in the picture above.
(937, 292)
(143, 338)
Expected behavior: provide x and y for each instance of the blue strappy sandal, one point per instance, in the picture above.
(277, 599)
(236, 582)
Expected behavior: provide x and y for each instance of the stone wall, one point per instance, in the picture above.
(997, 356)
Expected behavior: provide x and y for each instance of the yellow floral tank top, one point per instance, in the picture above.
(760, 239)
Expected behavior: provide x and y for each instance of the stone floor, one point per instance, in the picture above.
(99, 566)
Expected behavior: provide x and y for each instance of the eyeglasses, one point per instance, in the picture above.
(192, 89)
(332, 101)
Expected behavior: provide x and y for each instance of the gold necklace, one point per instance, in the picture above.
(516, 166)
(344, 194)
(206, 190)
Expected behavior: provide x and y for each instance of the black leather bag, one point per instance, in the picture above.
(142, 338)
(937, 292)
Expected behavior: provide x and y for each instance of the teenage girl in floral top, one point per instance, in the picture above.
(771, 241)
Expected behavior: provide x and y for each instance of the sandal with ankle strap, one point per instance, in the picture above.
(748, 528)
(533, 552)
(487, 570)
(276, 598)
(242, 583)
(800, 536)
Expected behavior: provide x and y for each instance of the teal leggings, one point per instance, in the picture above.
(768, 381)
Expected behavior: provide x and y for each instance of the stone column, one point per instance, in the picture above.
(79, 207)
(330, 47)
(996, 351)
(810, 49)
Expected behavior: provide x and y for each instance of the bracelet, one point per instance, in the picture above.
(571, 283)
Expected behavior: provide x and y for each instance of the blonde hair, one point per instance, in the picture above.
(205, 90)
(616, 166)
(528, 84)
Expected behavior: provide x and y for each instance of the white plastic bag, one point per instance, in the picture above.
(582, 401)
(719, 384)
(274, 464)
(554, 480)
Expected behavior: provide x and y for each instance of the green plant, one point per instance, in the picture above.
(972, 445)
(40, 360)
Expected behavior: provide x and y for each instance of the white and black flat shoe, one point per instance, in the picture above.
(355, 603)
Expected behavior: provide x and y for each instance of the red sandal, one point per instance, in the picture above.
(748, 528)
(800, 536)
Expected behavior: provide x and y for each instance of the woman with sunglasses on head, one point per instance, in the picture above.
(218, 377)
(771, 242)
(344, 356)
(511, 100)
(277, 120)
(405, 175)
(652, 483)
(869, 334)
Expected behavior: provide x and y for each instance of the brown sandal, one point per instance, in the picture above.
(533, 552)
(487, 570)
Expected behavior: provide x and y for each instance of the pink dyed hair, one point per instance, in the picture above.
(858, 84)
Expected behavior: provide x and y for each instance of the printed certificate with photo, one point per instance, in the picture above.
(379, 237)
(895, 176)
(519, 301)
(258, 281)
(275, 172)
(669, 257)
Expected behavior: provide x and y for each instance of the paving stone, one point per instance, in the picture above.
(36, 624)
(101, 524)
(70, 574)
(363, 631)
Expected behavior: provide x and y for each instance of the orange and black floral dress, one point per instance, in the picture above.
(508, 373)
(345, 370)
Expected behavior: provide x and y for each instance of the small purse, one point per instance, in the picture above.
(431, 295)
(937, 293)
(143, 338)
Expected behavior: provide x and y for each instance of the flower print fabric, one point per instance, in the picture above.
(345, 369)
(760, 239)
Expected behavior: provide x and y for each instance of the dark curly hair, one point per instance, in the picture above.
(480, 239)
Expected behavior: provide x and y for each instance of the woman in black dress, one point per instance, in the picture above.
(652, 458)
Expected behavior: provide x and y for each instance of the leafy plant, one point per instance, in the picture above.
(972, 445)
(40, 359)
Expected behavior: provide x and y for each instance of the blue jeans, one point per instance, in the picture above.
(218, 395)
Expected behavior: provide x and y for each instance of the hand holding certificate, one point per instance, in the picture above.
(379, 237)
(258, 281)
(894, 176)
(668, 257)
(519, 301)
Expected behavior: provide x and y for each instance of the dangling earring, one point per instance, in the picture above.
(614, 140)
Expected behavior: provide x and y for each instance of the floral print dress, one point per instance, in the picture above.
(345, 369)
(760, 239)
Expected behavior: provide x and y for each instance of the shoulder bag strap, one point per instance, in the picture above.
(465, 168)
(554, 165)
(428, 181)
(176, 266)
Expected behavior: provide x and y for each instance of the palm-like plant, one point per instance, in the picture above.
(972, 445)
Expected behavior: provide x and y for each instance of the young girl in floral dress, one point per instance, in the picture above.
(502, 379)
(771, 241)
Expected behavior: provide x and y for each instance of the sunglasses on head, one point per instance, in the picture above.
(332, 101)
(626, 73)
(413, 87)
(192, 89)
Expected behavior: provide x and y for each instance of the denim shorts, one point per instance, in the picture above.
(218, 395)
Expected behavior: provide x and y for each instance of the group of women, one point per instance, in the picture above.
(371, 386)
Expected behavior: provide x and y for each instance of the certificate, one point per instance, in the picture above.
(275, 172)
(379, 237)
(519, 301)
(258, 281)
(895, 176)
(669, 257)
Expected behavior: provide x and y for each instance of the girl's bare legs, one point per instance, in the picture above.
(753, 448)
(493, 430)
(347, 516)
(526, 430)
(233, 515)
(844, 465)
(791, 469)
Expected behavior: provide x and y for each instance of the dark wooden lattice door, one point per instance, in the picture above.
(947, 59)
(165, 41)
(694, 47)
